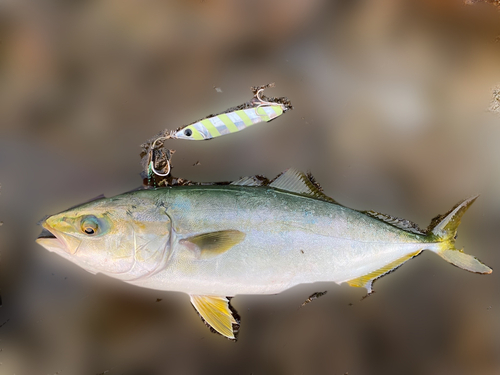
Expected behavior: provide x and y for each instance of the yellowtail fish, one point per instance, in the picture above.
(248, 237)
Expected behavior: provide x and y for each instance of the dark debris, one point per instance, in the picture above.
(312, 297)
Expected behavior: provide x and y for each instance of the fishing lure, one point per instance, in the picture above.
(259, 109)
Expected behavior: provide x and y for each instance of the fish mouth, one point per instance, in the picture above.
(46, 234)
(55, 241)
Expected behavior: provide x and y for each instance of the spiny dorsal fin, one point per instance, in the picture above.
(366, 281)
(403, 224)
(218, 314)
(211, 244)
(251, 181)
(297, 182)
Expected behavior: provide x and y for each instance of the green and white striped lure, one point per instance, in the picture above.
(258, 109)
(228, 123)
(232, 121)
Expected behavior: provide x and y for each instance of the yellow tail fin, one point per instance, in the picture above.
(444, 230)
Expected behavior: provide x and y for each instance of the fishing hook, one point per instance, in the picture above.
(151, 159)
(262, 102)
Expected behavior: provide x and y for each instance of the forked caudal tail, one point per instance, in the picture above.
(443, 229)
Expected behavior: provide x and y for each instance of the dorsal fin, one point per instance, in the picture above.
(251, 181)
(403, 224)
(297, 182)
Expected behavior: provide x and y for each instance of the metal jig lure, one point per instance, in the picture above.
(259, 109)
(233, 120)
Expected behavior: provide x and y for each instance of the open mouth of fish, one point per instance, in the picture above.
(55, 241)
(46, 234)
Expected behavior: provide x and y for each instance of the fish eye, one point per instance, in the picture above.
(89, 230)
(90, 225)
(188, 132)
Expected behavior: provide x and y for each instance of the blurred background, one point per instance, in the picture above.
(395, 111)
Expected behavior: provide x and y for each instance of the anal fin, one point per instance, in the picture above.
(367, 280)
(217, 314)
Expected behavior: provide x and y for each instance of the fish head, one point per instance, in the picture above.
(122, 238)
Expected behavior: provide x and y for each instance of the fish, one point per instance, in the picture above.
(252, 236)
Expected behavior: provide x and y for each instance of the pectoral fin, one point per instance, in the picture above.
(212, 244)
(367, 280)
(216, 313)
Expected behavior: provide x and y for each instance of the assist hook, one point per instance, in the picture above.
(261, 102)
(151, 162)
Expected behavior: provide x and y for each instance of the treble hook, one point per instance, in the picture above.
(151, 161)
